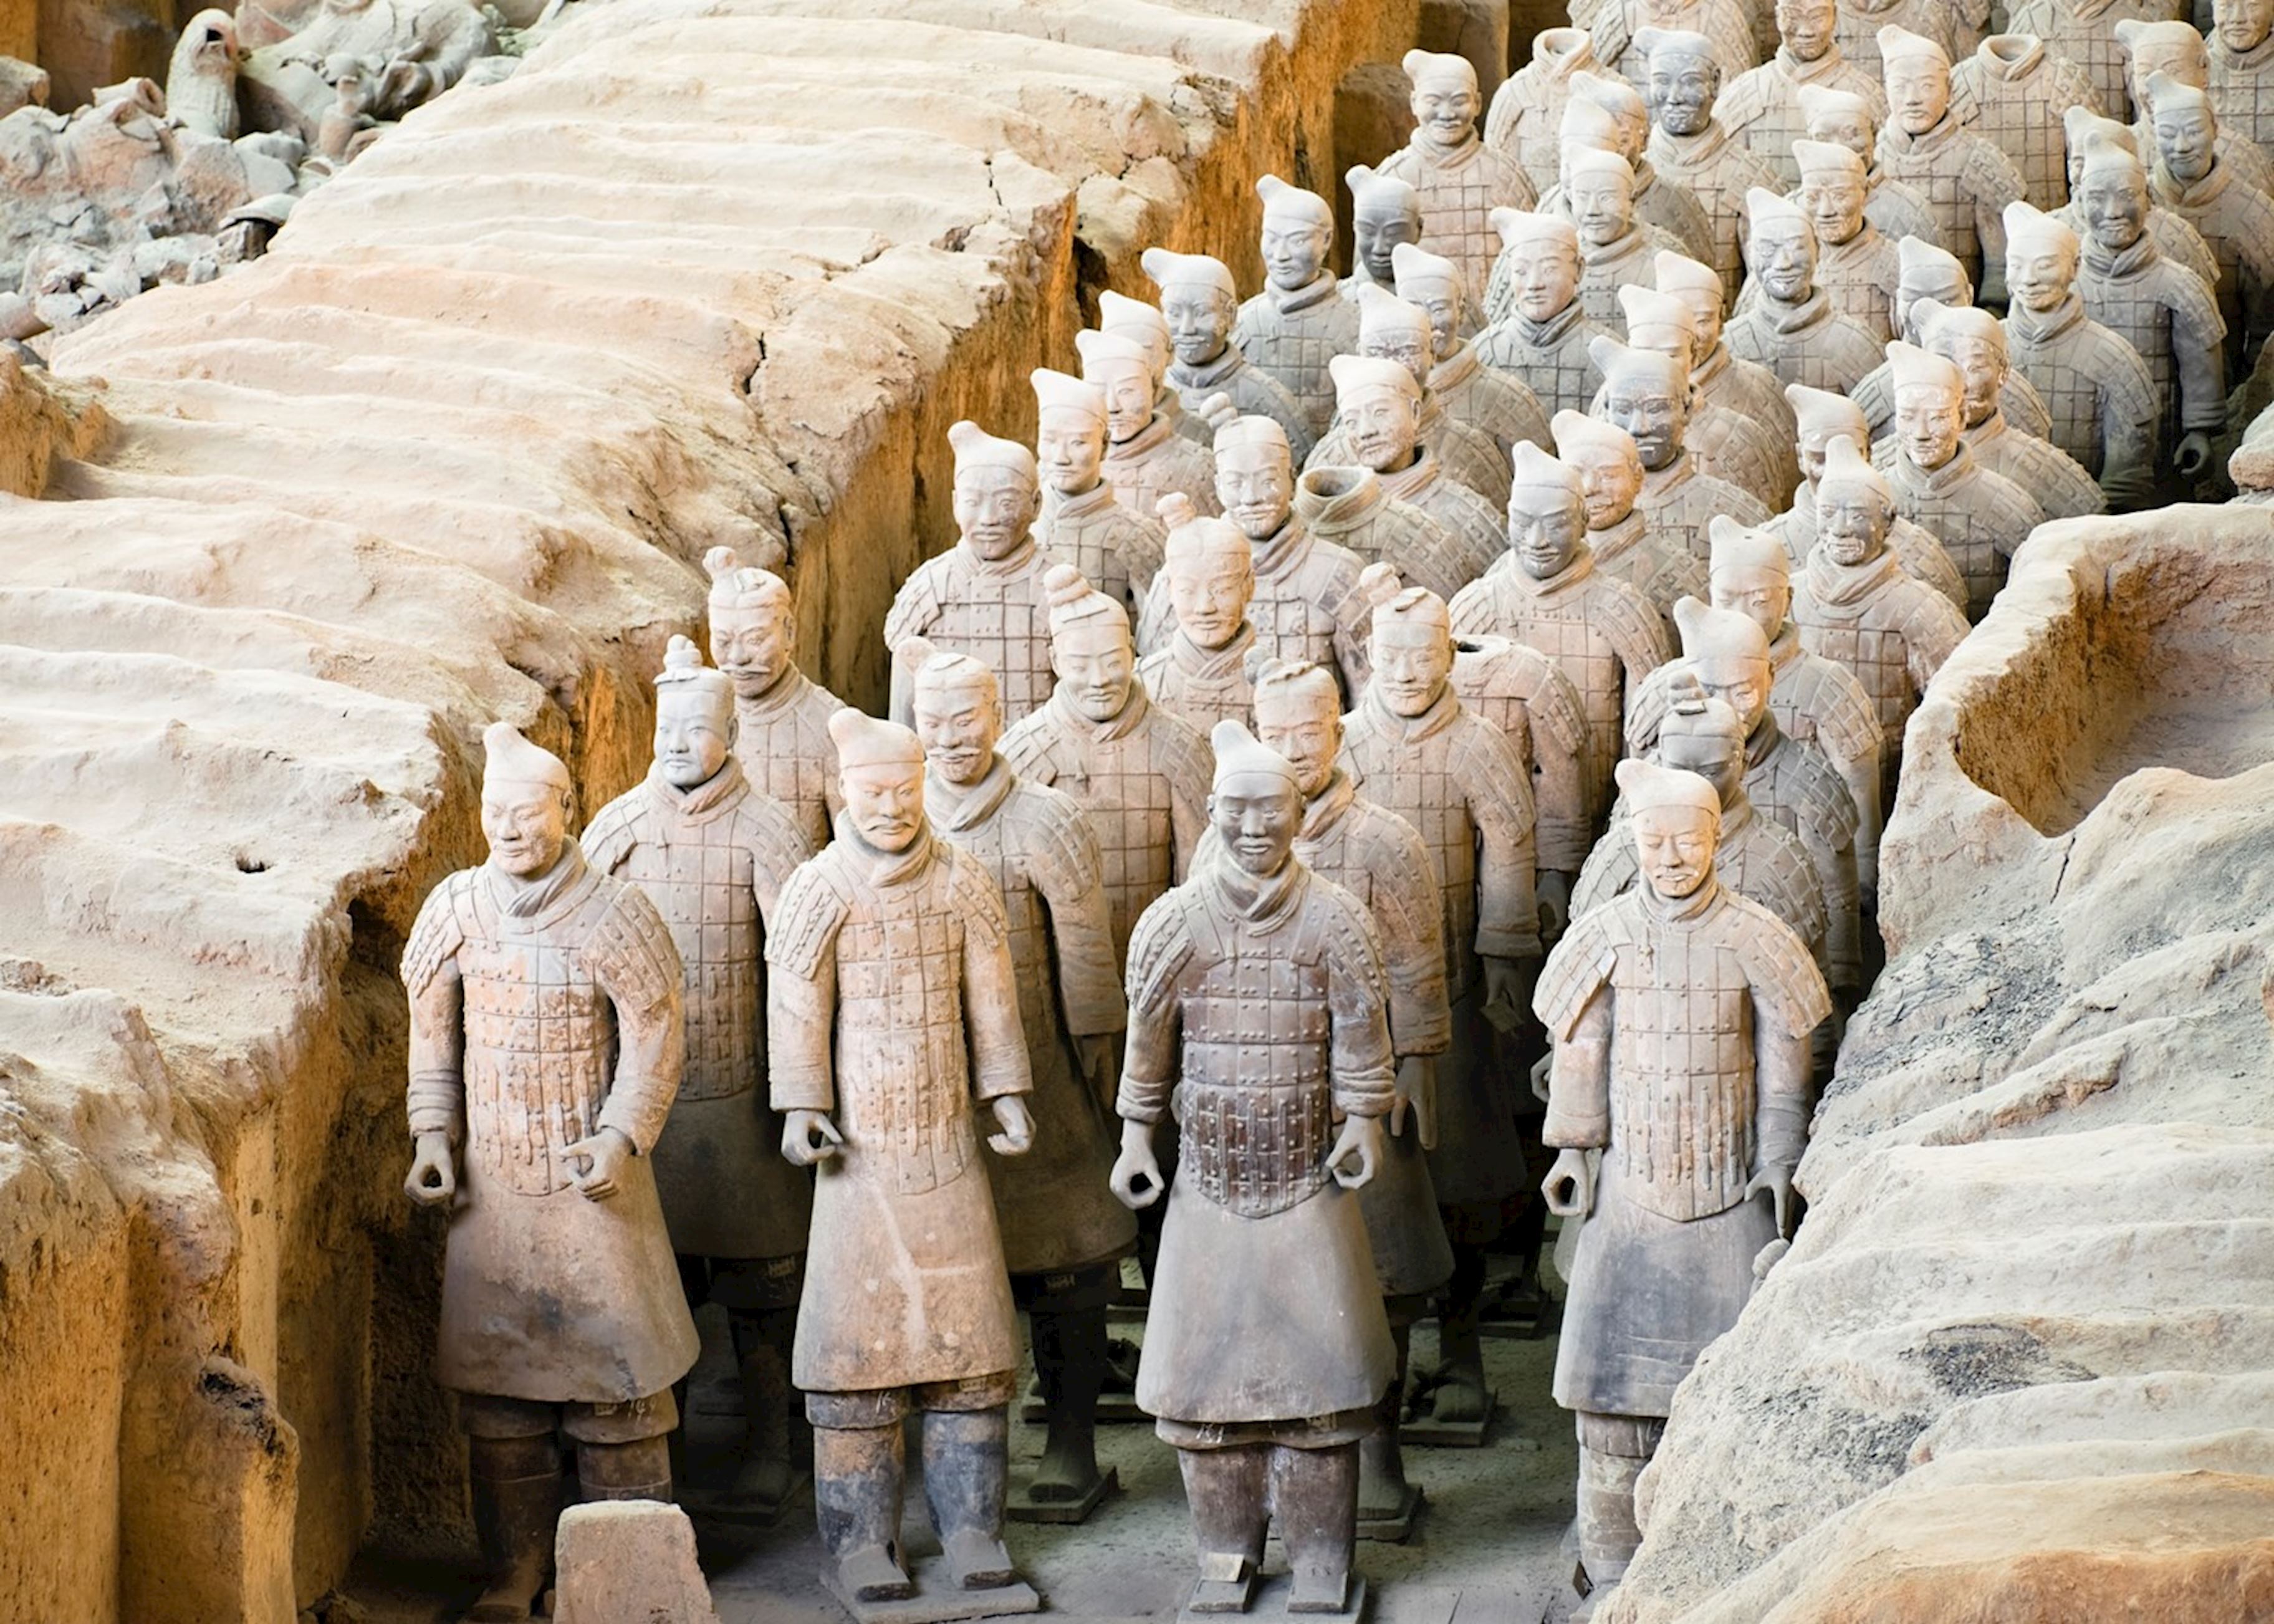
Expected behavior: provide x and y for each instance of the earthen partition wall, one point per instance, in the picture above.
(704, 272)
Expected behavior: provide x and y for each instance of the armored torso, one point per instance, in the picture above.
(996, 611)
(782, 741)
(1118, 551)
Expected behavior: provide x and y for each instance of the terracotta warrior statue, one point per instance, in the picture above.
(2240, 86)
(2102, 398)
(1847, 119)
(1542, 340)
(1528, 109)
(1861, 26)
(1618, 26)
(1924, 271)
(1602, 633)
(1680, 991)
(2014, 91)
(1761, 106)
(1656, 562)
(1747, 389)
(1973, 341)
(1119, 316)
(1526, 696)
(1199, 304)
(2083, 32)
(1616, 250)
(1856, 263)
(1414, 749)
(1692, 150)
(781, 715)
(2173, 237)
(893, 1020)
(1824, 416)
(1265, 1405)
(1145, 457)
(1980, 517)
(1497, 404)
(1648, 395)
(1787, 323)
(2234, 219)
(1385, 215)
(712, 854)
(545, 1042)
(1205, 672)
(1140, 772)
(1081, 524)
(1391, 330)
(1379, 858)
(1854, 605)
(983, 596)
(1611, 114)
(1721, 444)
(1063, 1232)
(2176, 50)
(1300, 320)
(1459, 179)
(1381, 414)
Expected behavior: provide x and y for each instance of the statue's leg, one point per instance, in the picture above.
(1315, 1495)
(967, 1470)
(1460, 1395)
(1381, 1461)
(1612, 1451)
(1229, 1491)
(1070, 1361)
(859, 1468)
(761, 1299)
(515, 1465)
(622, 1450)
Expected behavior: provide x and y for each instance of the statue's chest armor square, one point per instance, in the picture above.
(540, 1038)
(1254, 1103)
(701, 883)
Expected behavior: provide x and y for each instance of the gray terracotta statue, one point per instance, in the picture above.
(1679, 992)
(1385, 215)
(1119, 316)
(1610, 113)
(1980, 517)
(545, 1043)
(2173, 237)
(1691, 150)
(893, 1021)
(781, 715)
(1848, 119)
(1656, 562)
(1541, 339)
(1823, 417)
(1257, 1003)
(1392, 329)
(1648, 395)
(1081, 522)
(1145, 457)
(1199, 304)
(1063, 1232)
(1860, 27)
(2240, 86)
(1722, 444)
(2176, 49)
(1761, 106)
(2234, 218)
(1927, 272)
(1522, 692)
(1205, 672)
(2014, 91)
(1381, 415)
(1857, 264)
(1615, 249)
(1618, 26)
(1300, 320)
(1496, 404)
(1528, 109)
(1459, 179)
(712, 854)
(1745, 389)
(2083, 32)
(1973, 341)
(1787, 323)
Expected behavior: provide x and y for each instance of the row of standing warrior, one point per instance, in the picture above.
(1576, 669)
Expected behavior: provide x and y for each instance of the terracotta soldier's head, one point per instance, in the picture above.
(1123, 369)
(996, 494)
(1699, 287)
(1299, 714)
(1378, 403)
(1821, 415)
(1676, 821)
(1661, 323)
(753, 624)
(1541, 253)
(1700, 734)
(1779, 246)
(1647, 395)
(1069, 432)
(1413, 647)
(1119, 316)
(1917, 72)
(1730, 655)
(1445, 100)
(1930, 406)
(1749, 573)
(694, 724)
(1211, 573)
(1254, 476)
(2112, 194)
(1091, 650)
(1833, 188)
(1855, 506)
(1840, 117)
(1598, 186)
(2242, 24)
(1385, 212)
(1198, 300)
(2080, 125)
(1608, 467)
(525, 803)
(1391, 330)
(2041, 258)
(880, 771)
(2169, 48)
(1685, 76)
(1805, 28)
(2185, 125)
(1255, 804)
(1433, 284)
(1605, 111)
(1924, 271)
(959, 712)
(1973, 341)
(1299, 229)
(1547, 513)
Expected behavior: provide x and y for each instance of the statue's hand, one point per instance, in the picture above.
(1777, 1180)
(1417, 1091)
(1017, 1126)
(1360, 1142)
(433, 1180)
(1570, 1187)
(602, 1157)
(1553, 894)
(808, 1137)
(1136, 1162)
(2193, 454)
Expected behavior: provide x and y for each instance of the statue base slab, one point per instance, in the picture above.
(1022, 1507)
(1429, 1432)
(1267, 1597)
(1393, 1528)
(937, 1600)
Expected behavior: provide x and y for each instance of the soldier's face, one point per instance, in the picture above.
(1705, 319)
(1294, 253)
(1255, 486)
(1448, 112)
(1834, 204)
(1742, 684)
(1928, 421)
(693, 733)
(1981, 363)
(1761, 595)
(2115, 209)
(1545, 529)
(1938, 288)
(1682, 91)
(1304, 727)
(1129, 391)
(1784, 258)
(1070, 447)
(1210, 596)
(1653, 413)
(2243, 25)
(1602, 208)
(1443, 306)
(1546, 276)
(1410, 664)
(1256, 815)
(959, 725)
(1382, 424)
(1805, 27)
(1374, 232)
(1675, 847)
(1851, 523)
(1199, 323)
(885, 800)
(1719, 759)
(1096, 665)
(1850, 130)
(2039, 278)
(526, 825)
(753, 647)
(2189, 62)
(2186, 137)
(1609, 480)
(1918, 93)
(1408, 346)
(994, 508)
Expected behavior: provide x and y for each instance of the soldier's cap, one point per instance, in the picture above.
(1586, 123)
(1295, 682)
(1915, 368)
(2032, 230)
(1435, 69)
(1654, 42)
(1655, 319)
(1420, 273)
(2103, 156)
(1237, 755)
(1820, 411)
(683, 667)
(1516, 227)
(1122, 316)
(1074, 601)
(1846, 466)
(1103, 354)
(1583, 163)
(942, 670)
(1412, 606)
(974, 447)
(2167, 94)
(1260, 433)
(1057, 391)
(509, 759)
(1649, 788)
(2080, 125)
(1920, 264)
(1711, 635)
(1679, 274)
(1769, 208)
(1381, 311)
(1196, 539)
(2134, 37)
(1355, 375)
(1820, 102)
(1899, 44)
(1613, 94)
(1532, 469)
(1292, 205)
(1828, 159)
(1576, 432)
(737, 586)
(1624, 364)
(1692, 713)
(1938, 324)
(861, 740)
(1187, 271)
(1376, 194)
(1738, 547)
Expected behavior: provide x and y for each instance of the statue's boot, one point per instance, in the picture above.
(1071, 1350)
(966, 1468)
(1612, 1451)
(637, 1470)
(762, 1481)
(857, 1477)
(1229, 1491)
(1382, 1485)
(516, 1493)
(1314, 1496)
(1460, 1392)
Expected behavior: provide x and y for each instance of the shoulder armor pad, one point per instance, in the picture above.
(438, 934)
(1029, 747)
(807, 918)
(1494, 772)
(915, 606)
(1580, 964)
(1820, 794)
(630, 950)
(1633, 625)
(977, 899)
(1784, 978)
(1056, 841)
(1835, 700)
(1351, 940)
(1160, 947)
(1182, 755)
(771, 835)
(613, 831)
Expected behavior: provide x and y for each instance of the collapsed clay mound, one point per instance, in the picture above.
(2020, 1363)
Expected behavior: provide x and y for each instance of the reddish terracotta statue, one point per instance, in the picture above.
(1205, 672)
(1460, 179)
(781, 715)
(1300, 320)
(1542, 338)
(1823, 417)
(1761, 106)
(1199, 304)
(1081, 524)
(1691, 150)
